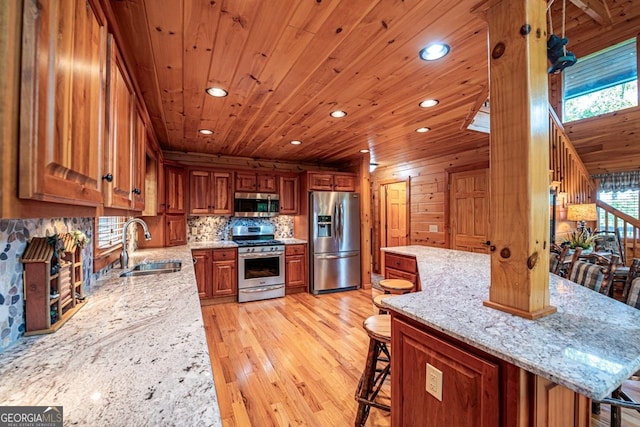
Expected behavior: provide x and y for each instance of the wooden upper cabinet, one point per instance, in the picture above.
(344, 182)
(63, 102)
(210, 193)
(222, 185)
(175, 186)
(289, 195)
(121, 126)
(256, 182)
(332, 181)
(139, 164)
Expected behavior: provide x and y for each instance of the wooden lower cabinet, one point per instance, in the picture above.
(216, 274)
(202, 266)
(401, 267)
(478, 390)
(295, 262)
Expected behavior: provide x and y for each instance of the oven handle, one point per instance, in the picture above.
(254, 290)
(260, 255)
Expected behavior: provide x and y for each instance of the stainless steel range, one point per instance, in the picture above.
(260, 263)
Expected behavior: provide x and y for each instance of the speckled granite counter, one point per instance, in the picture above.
(292, 241)
(213, 244)
(135, 355)
(591, 345)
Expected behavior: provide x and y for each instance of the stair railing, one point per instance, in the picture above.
(566, 166)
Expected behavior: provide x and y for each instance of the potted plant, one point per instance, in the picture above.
(580, 238)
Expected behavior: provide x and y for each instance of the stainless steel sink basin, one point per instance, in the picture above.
(153, 267)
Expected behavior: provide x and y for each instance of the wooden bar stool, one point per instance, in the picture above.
(378, 328)
(396, 286)
(377, 301)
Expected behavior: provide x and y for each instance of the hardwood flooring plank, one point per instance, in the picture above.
(296, 361)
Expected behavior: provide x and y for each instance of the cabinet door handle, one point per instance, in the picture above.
(108, 177)
(195, 261)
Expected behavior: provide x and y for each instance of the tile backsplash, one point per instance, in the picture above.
(205, 228)
(14, 235)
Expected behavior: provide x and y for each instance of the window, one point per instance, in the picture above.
(625, 201)
(109, 231)
(602, 82)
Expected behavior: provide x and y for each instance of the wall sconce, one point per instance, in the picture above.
(561, 200)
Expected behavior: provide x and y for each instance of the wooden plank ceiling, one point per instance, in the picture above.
(288, 63)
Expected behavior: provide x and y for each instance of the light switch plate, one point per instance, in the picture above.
(434, 382)
(433, 228)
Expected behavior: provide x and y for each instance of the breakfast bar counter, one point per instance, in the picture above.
(590, 345)
(135, 354)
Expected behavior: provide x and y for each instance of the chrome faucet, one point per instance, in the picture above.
(124, 255)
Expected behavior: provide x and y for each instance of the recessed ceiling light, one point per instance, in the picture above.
(338, 114)
(429, 103)
(205, 131)
(423, 130)
(434, 51)
(217, 92)
(295, 142)
(364, 150)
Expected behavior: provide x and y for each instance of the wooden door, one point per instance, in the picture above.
(62, 115)
(395, 214)
(222, 193)
(295, 268)
(199, 192)
(203, 268)
(289, 194)
(469, 210)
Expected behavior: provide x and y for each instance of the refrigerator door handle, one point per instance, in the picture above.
(334, 222)
(338, 256)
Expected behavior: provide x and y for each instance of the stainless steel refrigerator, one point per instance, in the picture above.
(334, 255)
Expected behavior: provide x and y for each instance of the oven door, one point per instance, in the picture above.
(260, 269)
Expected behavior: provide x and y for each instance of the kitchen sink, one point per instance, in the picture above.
(153, 267)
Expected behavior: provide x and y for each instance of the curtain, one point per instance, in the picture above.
(620, 181)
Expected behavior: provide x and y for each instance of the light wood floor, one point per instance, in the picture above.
(296, 361)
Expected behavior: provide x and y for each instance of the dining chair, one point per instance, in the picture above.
(619, 399)
(594, 272)
(557, 255)
(610, 241)
(634, 273)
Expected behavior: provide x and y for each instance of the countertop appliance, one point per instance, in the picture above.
(256, 204)
(334, 255)
(260, 263)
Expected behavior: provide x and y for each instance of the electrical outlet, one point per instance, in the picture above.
(434, 382)
(433, 228)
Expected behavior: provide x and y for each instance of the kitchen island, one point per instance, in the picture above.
(589, 347)
(135, 354)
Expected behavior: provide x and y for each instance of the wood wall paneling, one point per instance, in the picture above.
(427, 191)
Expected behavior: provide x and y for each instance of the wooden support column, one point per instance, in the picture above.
(365, 221)
(519, 158)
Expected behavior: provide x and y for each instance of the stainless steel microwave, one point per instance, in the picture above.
(256, 204)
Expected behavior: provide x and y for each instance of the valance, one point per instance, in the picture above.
(619, 181)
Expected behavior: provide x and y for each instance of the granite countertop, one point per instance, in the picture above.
(590, 345)
(135, 354)
(292, 241)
